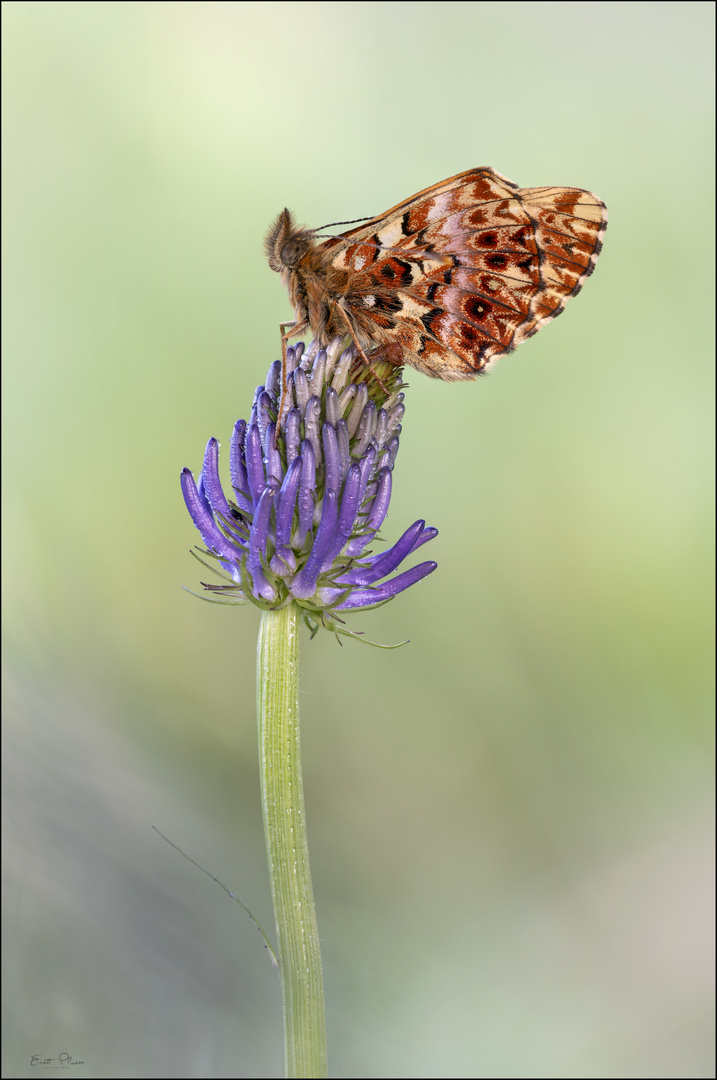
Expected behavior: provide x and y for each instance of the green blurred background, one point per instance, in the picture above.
(510, 818)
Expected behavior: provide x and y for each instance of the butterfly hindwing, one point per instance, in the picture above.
(475, 265)
(449, 279)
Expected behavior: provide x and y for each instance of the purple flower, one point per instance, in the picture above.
(306, 505)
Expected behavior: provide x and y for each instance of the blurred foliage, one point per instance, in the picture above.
(509, 817)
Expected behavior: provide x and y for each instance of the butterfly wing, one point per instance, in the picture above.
(469, 268)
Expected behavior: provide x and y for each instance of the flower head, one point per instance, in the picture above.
(307, 502)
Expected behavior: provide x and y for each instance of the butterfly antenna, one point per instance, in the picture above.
(332, 224)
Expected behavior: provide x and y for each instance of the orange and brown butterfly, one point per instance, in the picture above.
(447, 280)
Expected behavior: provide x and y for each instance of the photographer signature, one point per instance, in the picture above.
(60, 1062)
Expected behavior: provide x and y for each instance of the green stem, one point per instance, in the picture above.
(287, 847)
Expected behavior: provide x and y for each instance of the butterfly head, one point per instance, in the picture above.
(286, 243)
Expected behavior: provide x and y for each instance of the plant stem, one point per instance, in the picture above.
(287, 847)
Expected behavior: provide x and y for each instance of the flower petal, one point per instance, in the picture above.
(385, 563)
(273, 380)
(333, 412)
(283, 562)
(381, 593)
(237, 468)
(379, 506)
(344, 444)
(264, 404)
(360, 397)
(301, 389)
(255, 464)
(346, 515)
(293, 355)
(366, 428)
(318, 372)
(292, 436)
(212, 483)
(272, 457)
(357, 544)
(203, 494)
(304, 583)
(428, 534)
(285, 503)
(332, 464)
(312, 429)
(261, 587)
(209, 531)
(307, 489)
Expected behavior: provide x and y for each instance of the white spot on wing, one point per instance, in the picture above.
(391, 234)
(412, 307)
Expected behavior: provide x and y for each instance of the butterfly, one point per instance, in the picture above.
(447, 280)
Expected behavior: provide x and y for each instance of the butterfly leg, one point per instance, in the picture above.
(288, 330)
(368, 362)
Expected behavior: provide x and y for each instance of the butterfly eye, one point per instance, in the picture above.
(291, 253)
